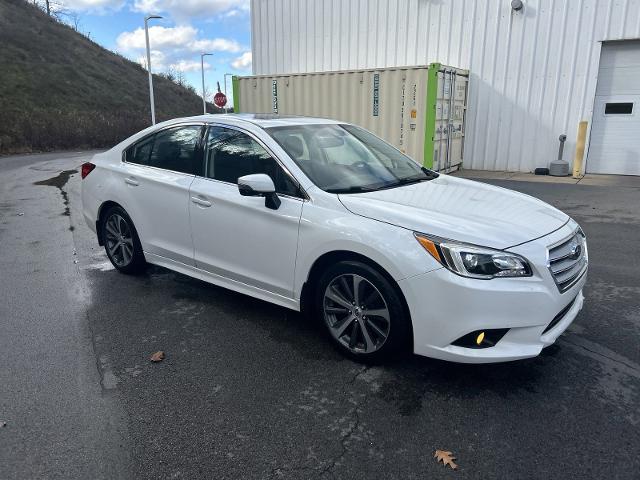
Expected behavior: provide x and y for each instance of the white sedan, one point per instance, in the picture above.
(325, 217)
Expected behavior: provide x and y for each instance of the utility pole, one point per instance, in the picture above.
(204, 102)
(146, 35)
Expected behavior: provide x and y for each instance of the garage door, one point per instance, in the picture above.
(615, 134)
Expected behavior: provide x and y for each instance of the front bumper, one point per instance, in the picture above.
(445, 306)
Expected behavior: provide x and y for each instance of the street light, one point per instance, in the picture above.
(204, 102)
(146, 34)
(226, 109)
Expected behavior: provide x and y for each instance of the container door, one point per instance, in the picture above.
(450, 117)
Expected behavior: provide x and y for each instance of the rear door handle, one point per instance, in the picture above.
(131, 181)
(201, 201)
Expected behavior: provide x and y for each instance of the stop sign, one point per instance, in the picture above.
(220, 100)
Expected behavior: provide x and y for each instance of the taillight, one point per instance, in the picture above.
(87, 168)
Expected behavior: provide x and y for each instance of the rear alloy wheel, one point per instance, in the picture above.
(362, 311)
(121, 242)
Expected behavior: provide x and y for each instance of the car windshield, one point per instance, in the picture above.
(347, 159)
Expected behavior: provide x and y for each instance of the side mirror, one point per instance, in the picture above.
(260, 185)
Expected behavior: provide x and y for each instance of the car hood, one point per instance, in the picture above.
(460, 209)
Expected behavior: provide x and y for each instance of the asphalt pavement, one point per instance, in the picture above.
(251, 390)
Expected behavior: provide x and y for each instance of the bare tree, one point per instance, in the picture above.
(169, 74)
(74, 20)
(180, 78)
(57, 10)
(208, 93)
(176, 75)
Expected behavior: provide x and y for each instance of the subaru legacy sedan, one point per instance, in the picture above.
(324, 217)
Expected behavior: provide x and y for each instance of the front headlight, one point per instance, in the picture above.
(473, 261)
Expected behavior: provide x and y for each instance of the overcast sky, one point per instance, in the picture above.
(189, 27)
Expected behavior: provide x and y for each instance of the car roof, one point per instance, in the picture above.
(263, 120)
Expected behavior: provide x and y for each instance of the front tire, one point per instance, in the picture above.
(121, 242)
(362, 311)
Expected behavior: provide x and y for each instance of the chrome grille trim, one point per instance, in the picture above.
(568, 260)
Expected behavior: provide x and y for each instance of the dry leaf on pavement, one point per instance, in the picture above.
(158, 356)
(446, 458)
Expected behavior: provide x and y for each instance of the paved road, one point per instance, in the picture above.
(250, 390)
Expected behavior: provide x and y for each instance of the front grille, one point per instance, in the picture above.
(568, 260)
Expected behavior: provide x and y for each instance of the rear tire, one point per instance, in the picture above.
(362, 311)
(121, 242)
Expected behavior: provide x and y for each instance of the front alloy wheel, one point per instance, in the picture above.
(362, 310)
(356, 313)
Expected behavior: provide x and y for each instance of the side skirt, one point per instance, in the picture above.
(223, 281)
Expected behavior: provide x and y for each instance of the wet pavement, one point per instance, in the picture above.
(251, 390)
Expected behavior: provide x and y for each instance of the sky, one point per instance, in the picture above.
(187, 29)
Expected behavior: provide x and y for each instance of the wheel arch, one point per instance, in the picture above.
(104, 208)
(335, 256)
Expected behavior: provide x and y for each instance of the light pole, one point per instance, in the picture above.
(226, 109)
(146, 35)
(204, 102)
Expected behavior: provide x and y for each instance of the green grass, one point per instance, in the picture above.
(58, 89)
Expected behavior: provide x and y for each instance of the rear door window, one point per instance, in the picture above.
(177, 149)
(139, 152)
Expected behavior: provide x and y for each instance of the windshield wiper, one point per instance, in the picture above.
(406, 181)
(352, 189)
(401, 182)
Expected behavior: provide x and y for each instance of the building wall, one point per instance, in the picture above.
(533, 73)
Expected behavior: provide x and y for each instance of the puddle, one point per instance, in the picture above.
(59, 181)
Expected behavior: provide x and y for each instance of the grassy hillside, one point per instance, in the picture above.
(60, 90)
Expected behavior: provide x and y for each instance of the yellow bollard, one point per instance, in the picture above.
(580, 141)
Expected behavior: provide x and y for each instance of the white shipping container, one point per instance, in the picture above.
(420, 110)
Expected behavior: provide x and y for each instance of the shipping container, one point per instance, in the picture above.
(420, 110)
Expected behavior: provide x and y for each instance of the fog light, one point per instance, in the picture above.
(481, 338)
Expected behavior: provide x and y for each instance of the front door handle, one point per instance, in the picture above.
(131, 181)
(201, 201)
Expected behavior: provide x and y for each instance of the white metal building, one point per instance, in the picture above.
(534, 74)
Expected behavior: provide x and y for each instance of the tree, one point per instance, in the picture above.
(57, 10)
(180, 78)
(207, 93)
(74, 20)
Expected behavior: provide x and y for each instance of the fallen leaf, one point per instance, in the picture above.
(158, 356)
(446, 458)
